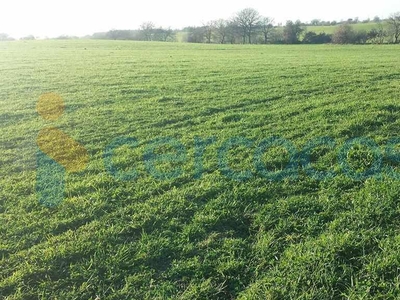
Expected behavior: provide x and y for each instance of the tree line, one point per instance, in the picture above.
(248, 26)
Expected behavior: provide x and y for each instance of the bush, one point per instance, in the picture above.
(28, 38)
(377, 35)
(360, 37)
(344, 34)
(313, 38)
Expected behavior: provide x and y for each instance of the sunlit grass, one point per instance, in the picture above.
(213, 237)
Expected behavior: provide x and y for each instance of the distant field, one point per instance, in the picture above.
(331, 29)
(213, 237)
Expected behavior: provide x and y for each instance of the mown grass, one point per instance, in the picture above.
(213, 237)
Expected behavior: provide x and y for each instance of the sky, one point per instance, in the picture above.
(52, 18)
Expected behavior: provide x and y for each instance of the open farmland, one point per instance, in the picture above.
(201, 233)
(331, 29)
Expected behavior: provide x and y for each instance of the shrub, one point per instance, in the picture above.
(344, 34)
(313, 38)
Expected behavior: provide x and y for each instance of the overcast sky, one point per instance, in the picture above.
(52, 18)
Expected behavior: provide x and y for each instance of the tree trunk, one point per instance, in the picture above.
(250, 30)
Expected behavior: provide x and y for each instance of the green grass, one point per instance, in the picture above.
(211, 238)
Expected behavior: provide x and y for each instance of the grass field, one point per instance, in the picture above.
(213, 237)
(331, 29)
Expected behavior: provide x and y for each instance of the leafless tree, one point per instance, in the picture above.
(266, 27)
(209, 29)
(382, 33)
(196, 34)
(234, 32)
(247, 20)
(394, 24)
(161, 34)
(147, 28)
(221, 30)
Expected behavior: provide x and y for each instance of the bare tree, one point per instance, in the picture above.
(247, 20)
(382, 33)
(233, 31)
(378, 35)
(147, 28)
(221, 30)
(195, 34)
(266, 27)
(161, 34)
(240, 22)
(209, 29)
(394, 23)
